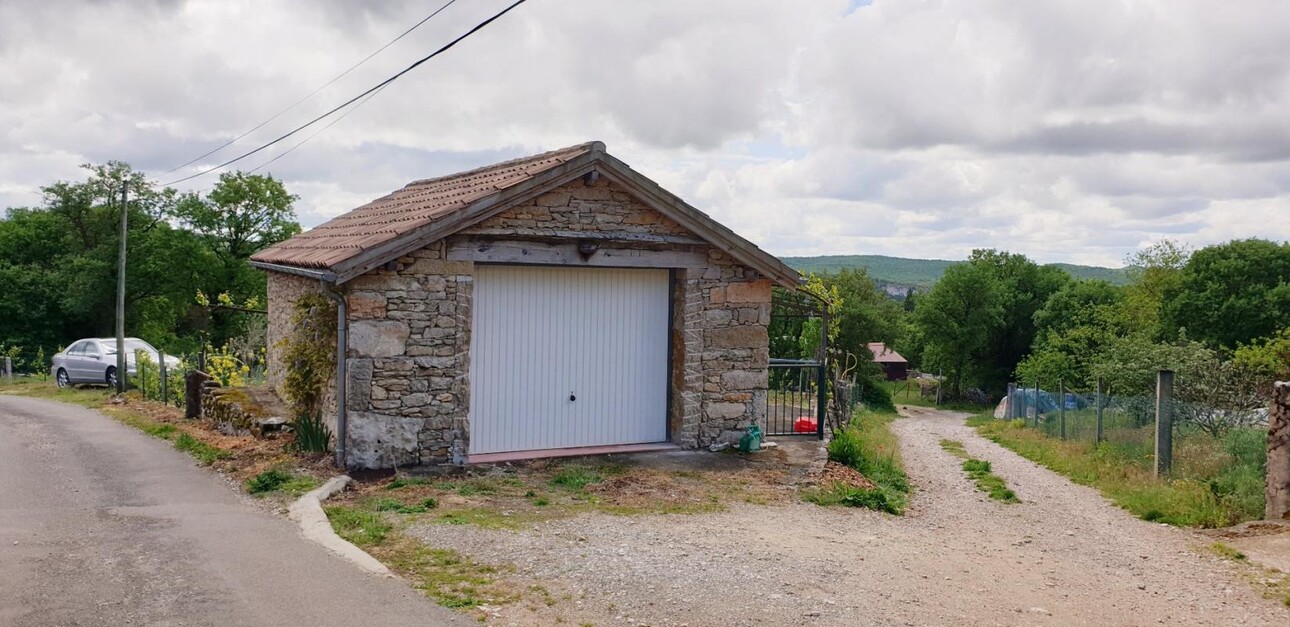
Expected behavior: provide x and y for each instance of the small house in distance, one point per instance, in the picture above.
(893, 365)
(558, 304)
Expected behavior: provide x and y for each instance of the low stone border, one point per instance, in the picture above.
(307, 511)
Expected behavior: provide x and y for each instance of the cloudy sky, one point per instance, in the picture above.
(1068, 130)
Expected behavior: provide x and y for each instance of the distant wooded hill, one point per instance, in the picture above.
(894, 273)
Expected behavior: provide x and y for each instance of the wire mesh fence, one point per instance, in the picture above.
(1170, 431)
(161, 378)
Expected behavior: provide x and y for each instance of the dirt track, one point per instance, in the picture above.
(1062, 557)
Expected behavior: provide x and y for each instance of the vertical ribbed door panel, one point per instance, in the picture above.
(567, 357)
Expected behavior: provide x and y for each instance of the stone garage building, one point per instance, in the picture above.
(552, 305)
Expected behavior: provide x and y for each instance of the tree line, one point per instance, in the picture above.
(1220, 314)
(58, 261)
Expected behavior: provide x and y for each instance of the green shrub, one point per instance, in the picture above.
(312, 434)
(868, 445)
(875, 396)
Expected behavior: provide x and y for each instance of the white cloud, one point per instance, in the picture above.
(1067, 130)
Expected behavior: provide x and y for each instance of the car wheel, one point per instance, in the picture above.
(62, 379)
(111, 378)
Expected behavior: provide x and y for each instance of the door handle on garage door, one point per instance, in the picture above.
(572, 397)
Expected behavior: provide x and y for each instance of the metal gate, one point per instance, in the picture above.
(796, 399)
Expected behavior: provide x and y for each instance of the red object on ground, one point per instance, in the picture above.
(804, 425)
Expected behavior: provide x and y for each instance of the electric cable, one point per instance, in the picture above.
(370, 90)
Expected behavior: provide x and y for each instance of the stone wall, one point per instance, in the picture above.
(409, 354)
(283, 291)
(604, 208)
(409, 349)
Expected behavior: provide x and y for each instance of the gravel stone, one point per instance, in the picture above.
(1063, 556)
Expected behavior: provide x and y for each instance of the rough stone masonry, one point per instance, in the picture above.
(410, 329)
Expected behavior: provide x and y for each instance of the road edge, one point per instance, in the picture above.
(307, 512)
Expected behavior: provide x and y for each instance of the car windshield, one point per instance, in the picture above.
(139, 345)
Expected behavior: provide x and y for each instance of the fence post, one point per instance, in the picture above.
(1164, 422)
(161, 367)
(940, 376)
(1036, 405)
(1277, 501)
(1012, 402)
(8, 369)
(821, 382)
(1098, 400)
(139, 374)
(1061, 405)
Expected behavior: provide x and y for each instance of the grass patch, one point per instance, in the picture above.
(986, 481)
(954, 447)
(576, 477)
(1227, 552)
(1216, 482)
(851, 496)
(363, 527)
(451, 579)
(493, 517)
(387, 504)
(868, 445)
(277, 480)
(85, 397)
(979, 471)
(203, 452)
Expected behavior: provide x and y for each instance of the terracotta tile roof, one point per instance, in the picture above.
(882, 354)
(416, 205)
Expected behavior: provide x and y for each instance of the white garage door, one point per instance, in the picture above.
(567, 357)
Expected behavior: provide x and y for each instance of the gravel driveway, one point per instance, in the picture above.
(1064, 556)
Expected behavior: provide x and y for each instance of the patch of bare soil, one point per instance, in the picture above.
(845, 475)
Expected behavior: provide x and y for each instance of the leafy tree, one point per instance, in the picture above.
(1022, 287)
(1267, 360)
(242, 214)
(865, 313)
(1152, 271)
(1128, 365)
(1072, 329)
(956, 319)
(1231, 293)
(58, 262)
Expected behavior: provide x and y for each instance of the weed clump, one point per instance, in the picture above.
(867, 445)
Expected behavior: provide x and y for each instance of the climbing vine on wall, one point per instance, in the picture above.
(309, 354)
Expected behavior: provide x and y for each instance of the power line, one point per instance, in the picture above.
(314, 92)
(316, 133)
(383, 83)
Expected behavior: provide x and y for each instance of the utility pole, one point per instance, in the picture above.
(120, 298)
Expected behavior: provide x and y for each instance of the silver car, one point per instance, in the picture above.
(93, 360)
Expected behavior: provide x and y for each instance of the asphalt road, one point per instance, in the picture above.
(102, 525)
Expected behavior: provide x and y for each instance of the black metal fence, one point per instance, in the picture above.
(797, 398)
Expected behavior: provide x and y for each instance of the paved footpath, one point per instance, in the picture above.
(103, 525)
